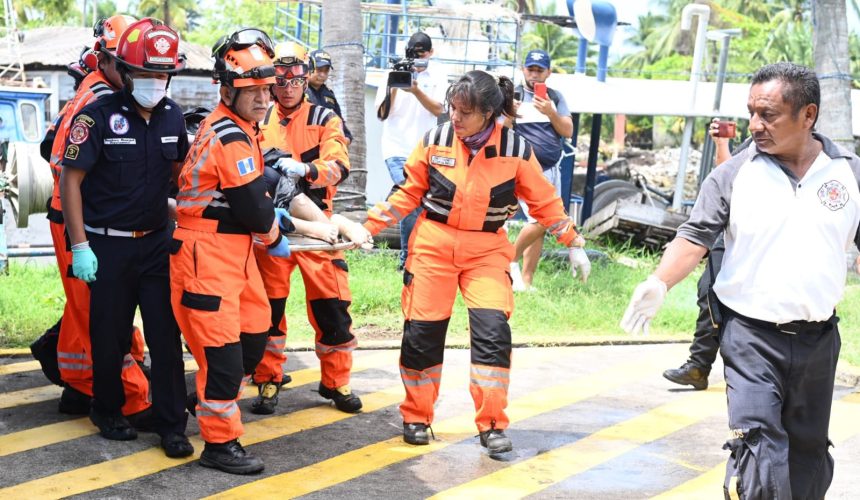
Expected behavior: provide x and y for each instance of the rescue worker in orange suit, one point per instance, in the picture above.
(118, 164)
(313, 136)
(467, 174)
(222, 207)
(74, 354)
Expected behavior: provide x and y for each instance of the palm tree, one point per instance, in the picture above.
(174, 13)
(830, 41)
(343, 41)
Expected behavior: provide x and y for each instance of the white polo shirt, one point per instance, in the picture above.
(786, 238)
(408, 120)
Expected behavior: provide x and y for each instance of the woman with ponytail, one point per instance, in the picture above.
(467, 174)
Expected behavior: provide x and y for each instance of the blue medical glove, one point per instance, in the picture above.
(284, 219)
(282, 249)
(84, 262)
(291, 167)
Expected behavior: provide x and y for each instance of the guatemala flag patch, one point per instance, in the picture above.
(245, 165)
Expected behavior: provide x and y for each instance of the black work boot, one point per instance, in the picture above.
(113, 427)
(689, 374)
(495, 441)
(230, 457)
(74, 402)
(416, 433)
(343, 398)
(142, 421)
(176, 445)
(265, 402)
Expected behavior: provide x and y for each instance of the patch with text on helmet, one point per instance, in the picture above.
(245, 165)
(162, 42)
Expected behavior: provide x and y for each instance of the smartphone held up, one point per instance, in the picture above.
(540, 90)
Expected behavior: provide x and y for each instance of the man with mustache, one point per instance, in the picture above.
(789, 205)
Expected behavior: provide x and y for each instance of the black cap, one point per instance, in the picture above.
(420, 41)
(321, 58)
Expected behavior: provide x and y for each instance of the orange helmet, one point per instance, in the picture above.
(244, 59)
(107, 31)
(150, 45)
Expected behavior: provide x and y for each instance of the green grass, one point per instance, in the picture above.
(562, 309)
(31, 300)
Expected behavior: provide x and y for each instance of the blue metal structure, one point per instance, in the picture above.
(388, 22)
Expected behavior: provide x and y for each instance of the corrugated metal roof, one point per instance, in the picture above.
(55, 47)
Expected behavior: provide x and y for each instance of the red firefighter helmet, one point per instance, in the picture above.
(150, 45)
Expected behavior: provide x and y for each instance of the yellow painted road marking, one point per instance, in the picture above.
(24, 366)
(843, 426)
(152, 460)
(373, 457)
(538, 473)
(46, 435)
(48, 392)
(29, 396)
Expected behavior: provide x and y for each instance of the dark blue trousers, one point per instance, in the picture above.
(779, 390)
(134, 272)
(703, 350)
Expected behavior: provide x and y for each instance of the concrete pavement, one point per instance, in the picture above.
(586, 422)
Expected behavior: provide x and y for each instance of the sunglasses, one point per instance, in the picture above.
(297, 82)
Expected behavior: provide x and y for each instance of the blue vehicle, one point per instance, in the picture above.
(25, 177)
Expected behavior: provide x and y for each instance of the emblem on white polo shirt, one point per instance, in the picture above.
(833, 195)
(118, 123)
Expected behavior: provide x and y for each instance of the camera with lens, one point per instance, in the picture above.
(403, 70)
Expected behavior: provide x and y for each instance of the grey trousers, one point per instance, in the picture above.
(780, 390)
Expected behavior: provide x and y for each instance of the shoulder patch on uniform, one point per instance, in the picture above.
(72, 152)
(79, 133)
(441, 135)
(319, 115)
(246, 165)
(86, 120)
(228, 132)
(513, 144)
(100, 90)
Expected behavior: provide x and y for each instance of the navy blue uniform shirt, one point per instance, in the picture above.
(325, 97)
(128, 162)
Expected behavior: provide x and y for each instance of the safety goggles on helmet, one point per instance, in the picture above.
(291, 71)
(243, 39)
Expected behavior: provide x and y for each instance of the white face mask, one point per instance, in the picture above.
(148, 92)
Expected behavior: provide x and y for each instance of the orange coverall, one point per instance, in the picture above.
(314, 135)
(459, 242)
(216, 289)
(73, 344)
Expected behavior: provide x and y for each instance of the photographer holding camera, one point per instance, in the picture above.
(408, 106)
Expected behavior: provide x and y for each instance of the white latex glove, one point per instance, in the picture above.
(644, 304)
(291, 167)
(579, 262)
